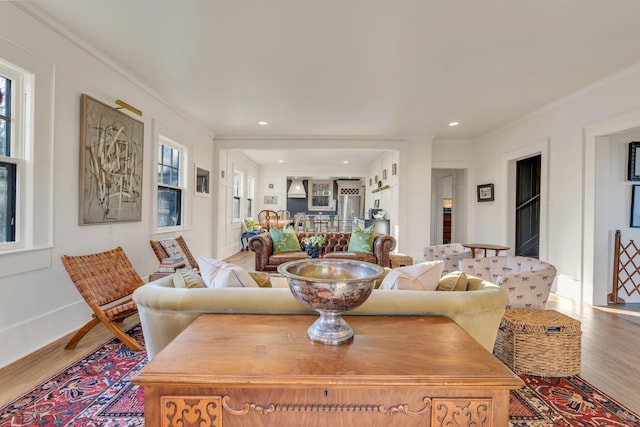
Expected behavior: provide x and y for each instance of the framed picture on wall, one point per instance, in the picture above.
(485, 193)
(202, 182)
(111, 148)
(633, 168)
(270, 200)
(635, 206)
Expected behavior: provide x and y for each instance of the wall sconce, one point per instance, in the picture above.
(126, 106)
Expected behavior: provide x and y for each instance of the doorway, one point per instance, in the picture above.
(448, 206)
(528, 206)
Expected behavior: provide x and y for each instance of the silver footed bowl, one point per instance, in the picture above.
(330, 287)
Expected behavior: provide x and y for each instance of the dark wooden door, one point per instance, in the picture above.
(528, 207)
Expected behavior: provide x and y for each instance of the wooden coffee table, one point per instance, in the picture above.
(262, 370)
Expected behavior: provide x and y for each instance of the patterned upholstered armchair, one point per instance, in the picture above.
(528, 281)
(450, 253)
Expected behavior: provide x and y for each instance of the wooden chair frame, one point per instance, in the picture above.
(106, 281)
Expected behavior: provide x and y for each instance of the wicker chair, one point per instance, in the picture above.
(106, 281)
(174, 246)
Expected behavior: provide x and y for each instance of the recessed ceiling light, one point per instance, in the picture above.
(263, 123)
(345, 161)
(454, 124)
(281, 161)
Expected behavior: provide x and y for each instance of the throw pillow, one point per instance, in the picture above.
(284, 240)
(261, 278)
(185, 278)
(361, 240)
(379, 280)
(454, 281)
(251, 224)
(220, 274)
(418, 277)
(176, 247)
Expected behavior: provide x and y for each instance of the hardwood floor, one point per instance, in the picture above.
(610, 342)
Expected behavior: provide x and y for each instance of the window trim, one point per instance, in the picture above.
(250, 195)
(239, 195)
(161, 135)
(36, 245)
(21, 145)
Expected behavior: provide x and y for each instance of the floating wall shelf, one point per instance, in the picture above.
(384, 187)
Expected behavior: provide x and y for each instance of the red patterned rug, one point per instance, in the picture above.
(97, 392)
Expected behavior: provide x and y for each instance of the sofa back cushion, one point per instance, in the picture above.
(284, 240)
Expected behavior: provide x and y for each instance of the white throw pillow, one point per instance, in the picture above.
(220, 274)
(418, 277)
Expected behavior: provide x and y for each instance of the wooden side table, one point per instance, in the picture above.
(484, 247)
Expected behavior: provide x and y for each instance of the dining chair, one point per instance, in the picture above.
(267, 219)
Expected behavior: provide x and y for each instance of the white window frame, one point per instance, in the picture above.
(21, 145)
(250, 195)
(237, 194)
(160, 138)
(34, 233)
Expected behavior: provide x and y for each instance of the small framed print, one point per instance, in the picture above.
(271, 186)
(270, 200)
(384, 174)
(485, 193)
(633, 169)
(202, 182)
(394, 169)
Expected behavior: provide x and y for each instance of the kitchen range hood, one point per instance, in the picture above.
(296, 190)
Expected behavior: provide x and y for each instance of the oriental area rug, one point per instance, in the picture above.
(96, 391)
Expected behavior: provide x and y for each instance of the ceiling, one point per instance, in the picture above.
(356, 68)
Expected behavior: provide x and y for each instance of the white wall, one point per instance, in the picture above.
(41, 304)
(576, 238)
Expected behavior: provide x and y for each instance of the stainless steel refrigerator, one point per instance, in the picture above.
(348, 209)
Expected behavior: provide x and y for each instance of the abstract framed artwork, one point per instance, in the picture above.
(485, 193)
(111, 149)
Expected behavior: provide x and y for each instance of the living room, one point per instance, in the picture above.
(581, 128)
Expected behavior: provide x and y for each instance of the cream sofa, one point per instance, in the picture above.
(165, 310)
(527, 280)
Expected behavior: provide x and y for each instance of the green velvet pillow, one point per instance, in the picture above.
(454, 281)
(185, 278)
(284, 240)
(361, 240)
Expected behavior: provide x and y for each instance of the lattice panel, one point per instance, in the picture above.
(626, 269)
(349, 191)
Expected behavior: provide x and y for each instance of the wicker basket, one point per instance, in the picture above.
(400, 260)
(539, 342)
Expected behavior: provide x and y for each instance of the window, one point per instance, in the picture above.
(170, 183)
(10, 154)
(250, 197)
(237, 194)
